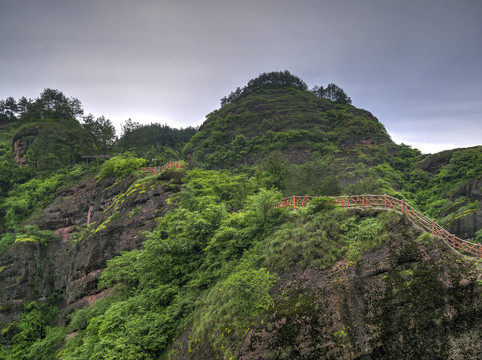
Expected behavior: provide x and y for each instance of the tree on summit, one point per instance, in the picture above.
(272, 80)
(284, 79)
(51, 104)
(332, 92)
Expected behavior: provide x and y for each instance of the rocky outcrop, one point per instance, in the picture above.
(435, 162)
(22, 140)
(376, 310)
(411, 298)
(461, 213)
(20, 275)
(466, 222)
(95, 222)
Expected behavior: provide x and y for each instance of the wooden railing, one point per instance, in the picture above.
(385, 201)
(158, 169)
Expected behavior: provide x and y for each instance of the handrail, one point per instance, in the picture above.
(168, 165)
(386, 201)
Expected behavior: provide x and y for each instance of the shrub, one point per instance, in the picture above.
(120, 166)
(478, 236)
(319, 204)
(361, 236)
(6, 239)
(231, 306)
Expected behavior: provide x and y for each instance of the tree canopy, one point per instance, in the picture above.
(101, 131)
(332, 92)
(282, 79)
(51, 104)
(141, 138)
(275, 79)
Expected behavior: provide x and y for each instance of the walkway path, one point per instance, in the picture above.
(158, 169)
(385, 201)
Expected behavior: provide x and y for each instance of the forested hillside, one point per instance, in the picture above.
(103, 256)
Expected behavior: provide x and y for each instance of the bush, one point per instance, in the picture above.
(231, 306)
(47, 347)
(360, 236)
(120, 166)
(31, 232)
(319, 204)
(25, 198)
(307, 240)
(6, 240)
(478, 236)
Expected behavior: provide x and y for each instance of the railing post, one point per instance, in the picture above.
(294, 202)
(401, 202)
(385, 196)
(363, 200)
(433, 227)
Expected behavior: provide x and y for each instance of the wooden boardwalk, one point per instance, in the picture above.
(388, 202)
(158, 169)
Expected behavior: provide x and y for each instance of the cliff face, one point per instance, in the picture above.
(403, 301)
(412, 298)
(457, 180)
(467, 222)
(95, 221)
(22, 140)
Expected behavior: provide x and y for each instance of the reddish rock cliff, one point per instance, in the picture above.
(117, 213)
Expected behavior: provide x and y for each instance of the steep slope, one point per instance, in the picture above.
(227, 274)
(94, 222)
(396, 293)
(307, 145)
(447, 186)
(289, 120)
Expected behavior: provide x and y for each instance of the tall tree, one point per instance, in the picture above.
(8, 109)
(59, 144)
(332, 92)
(271, 80)
(22, 106)
(101, 131)
(53, 104)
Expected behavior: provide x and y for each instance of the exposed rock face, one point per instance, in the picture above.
(464, 217)
(22, 141)
(404, 301)
(412, 298)
(433, 163)
(468, 222)
(20, 274)
(118, 213)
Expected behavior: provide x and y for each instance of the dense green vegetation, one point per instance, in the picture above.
(35, 338)
(208, 267)
(288, 120)
(431, 190)
(155, 142)
(265, 81)
(49, 135)
(208, 270)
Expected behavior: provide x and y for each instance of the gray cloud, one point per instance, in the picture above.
(414, 64)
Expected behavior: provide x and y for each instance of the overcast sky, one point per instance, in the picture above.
(415, 64)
